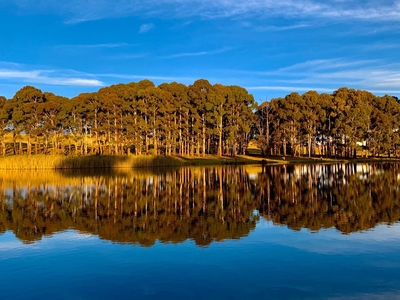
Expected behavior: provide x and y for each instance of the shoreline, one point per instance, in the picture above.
(59, 162)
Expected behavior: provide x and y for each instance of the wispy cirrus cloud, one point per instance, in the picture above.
(273, 28)
(79, 11)
(150, 77)
(317, 65)
(288, 88)
(9, 64)
(24, 75)
(128, 56)
(198, 53)
(146, 27)
(94, 46)
(327, 75)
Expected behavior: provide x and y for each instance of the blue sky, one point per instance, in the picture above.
(269, 47)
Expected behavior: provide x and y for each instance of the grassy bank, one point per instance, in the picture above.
(54, 162)
(38, 162)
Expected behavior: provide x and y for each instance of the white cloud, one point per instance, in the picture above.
(46, 77)
(150, 77)
(200, 53)
(93, 46)
(146, 27)
(80, 11)
(129, 56)
(288, 88)
(279, 28)
(327, 75)
(325, 64)
(9, 63)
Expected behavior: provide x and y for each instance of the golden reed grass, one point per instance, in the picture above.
(54, 162)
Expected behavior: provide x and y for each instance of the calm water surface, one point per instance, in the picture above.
(294, 232)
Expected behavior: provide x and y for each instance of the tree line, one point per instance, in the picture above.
(346, 123)
(134, 118)
(199, 119)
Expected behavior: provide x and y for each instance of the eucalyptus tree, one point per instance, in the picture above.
(200, 97)
(292, 106)
(220, 98)
(167, 123)
(239, 119)
(143, 105)
(287, 121)
(352, 124)
(51, 112)
(26, 116)
(263, 125)
(112, 118)
(181, 102)
(158, 112)
(4, 122)
(383, 132)
(312, 117)
(71, 120)
(326, 103)
(86, 109)
(279, 130)
(132, 116)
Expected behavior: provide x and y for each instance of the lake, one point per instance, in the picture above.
(234, 232)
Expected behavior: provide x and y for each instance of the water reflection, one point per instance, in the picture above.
(349, 197)
(202, 204)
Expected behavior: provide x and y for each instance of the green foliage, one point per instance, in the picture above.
(346, 124)
(200, 119)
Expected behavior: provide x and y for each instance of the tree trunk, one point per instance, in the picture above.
(204, 139)
(28, 146)
(220, 138)
(155, 141)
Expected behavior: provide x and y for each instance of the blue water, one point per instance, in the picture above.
(272, 262)
(296, 232)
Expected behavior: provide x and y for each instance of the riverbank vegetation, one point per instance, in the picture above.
(55, 162)
(173, 123)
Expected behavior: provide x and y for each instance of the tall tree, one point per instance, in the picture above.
(313, 116)
(52, 129)
(4, 122)
(383, 132)
(26, 116)
(218, 114)
(182, 110)
(263, 123)
(200, 95)
(352, 124)
(239, 119)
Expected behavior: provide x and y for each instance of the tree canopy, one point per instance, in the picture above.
(346, 123)
(199, 119)
(133, 118)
